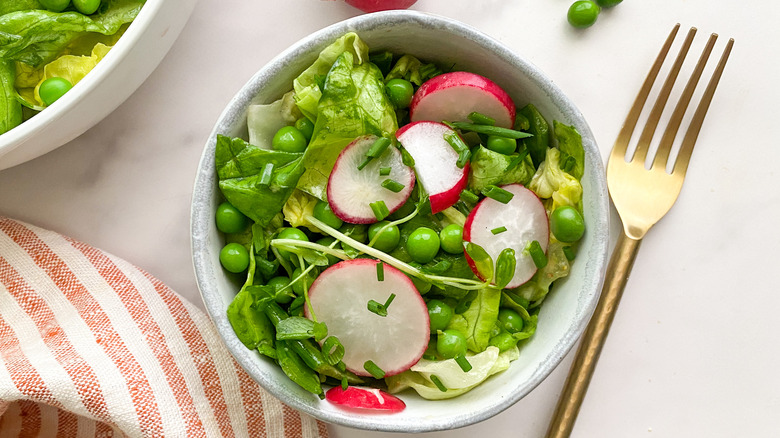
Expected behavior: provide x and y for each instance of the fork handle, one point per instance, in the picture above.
(588, 353)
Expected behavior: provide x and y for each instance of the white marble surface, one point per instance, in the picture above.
(693, 349)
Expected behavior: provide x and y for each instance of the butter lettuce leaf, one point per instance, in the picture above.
(36, 37)
(555, 186)
(240, 166)
(537, 288)
(570, 145)
(306, 85)
(457, 382)
(478, 320)
(10, 108)
(8, 6)
(490, 167)
(353, 103)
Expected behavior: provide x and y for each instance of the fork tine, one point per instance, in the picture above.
(655, 115)
(665, 147)
(686, 149)
(621, 143)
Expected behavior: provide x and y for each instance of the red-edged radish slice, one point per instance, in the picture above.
(435, 162)
(351, 191)
(380, 5)
(453, 96)
(357, 397)
(525, 220)
(339, 298)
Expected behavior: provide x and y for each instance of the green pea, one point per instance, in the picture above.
(608, 3)
(291, 233)
(323, 212)
(400, 92)
(452, 239)
(423, 245)
(308, 279)
(583, 13)
(229, 219)
(567, 224)
(279, 283)
(55, 5)
(502, 145)
(510, 320)
(234, 257)
(388, 240)
(289, 139)
(451, 343)
(327, 241)
(52, 89)
(439, 315)
(306, 127)
(86, 7)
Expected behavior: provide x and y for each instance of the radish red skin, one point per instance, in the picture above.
(498, 106)
(365, 398)
(380, 5)
(347, 287)
(544, 231)
(441, 200)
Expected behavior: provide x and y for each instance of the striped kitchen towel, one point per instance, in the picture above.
(92, 346)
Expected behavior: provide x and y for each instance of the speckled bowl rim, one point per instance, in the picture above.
(205, 186)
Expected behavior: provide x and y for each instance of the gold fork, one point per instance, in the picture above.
(641, 197)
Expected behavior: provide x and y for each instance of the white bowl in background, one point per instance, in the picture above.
(566, 311)
(111, 82)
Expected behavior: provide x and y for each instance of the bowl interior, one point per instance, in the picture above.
(566, 310)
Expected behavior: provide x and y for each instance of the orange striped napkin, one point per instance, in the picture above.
(92, 346)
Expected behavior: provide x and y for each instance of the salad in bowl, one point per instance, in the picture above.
(388, 229)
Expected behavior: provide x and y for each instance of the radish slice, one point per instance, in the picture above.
(435, 162)
(351, 191)
(453, 96)
(357, 397)
(339, 298)
(525, 220)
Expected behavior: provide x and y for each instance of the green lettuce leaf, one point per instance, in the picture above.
(10, 108)
(240, 166)
(8, 6)
(570, 145)
(537, 288)
(478, 320)
(264, 120)
(251, 325)
(555, 186)
(490, 167)
(36, 37)
(353, 103)
(449, 373)
(306, 86)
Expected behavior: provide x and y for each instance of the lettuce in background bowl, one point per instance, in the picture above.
(566, 311)
(115, 77)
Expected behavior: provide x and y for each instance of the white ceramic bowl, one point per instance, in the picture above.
(565, 312)
(110, 83)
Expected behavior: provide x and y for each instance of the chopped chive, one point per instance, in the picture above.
(521, 123)
(344, 383)
(438, 383)
(333, 350)
(365, 163)
(373, 370)
(430, 357)
(380, 209)
(517, 159)
(481, 119)
(469, 196)
(498, 230)
(489, 130)
(380, 271)
(389, 300)
(463, 158)
(384, 171)
(456, 142)
(392, 185)
(538, 256)
(265, 177)
(463, 363)
(376, 308)
(341, 366)
(497, 193)
(378, 147)
(569, 253)
(406, 158)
